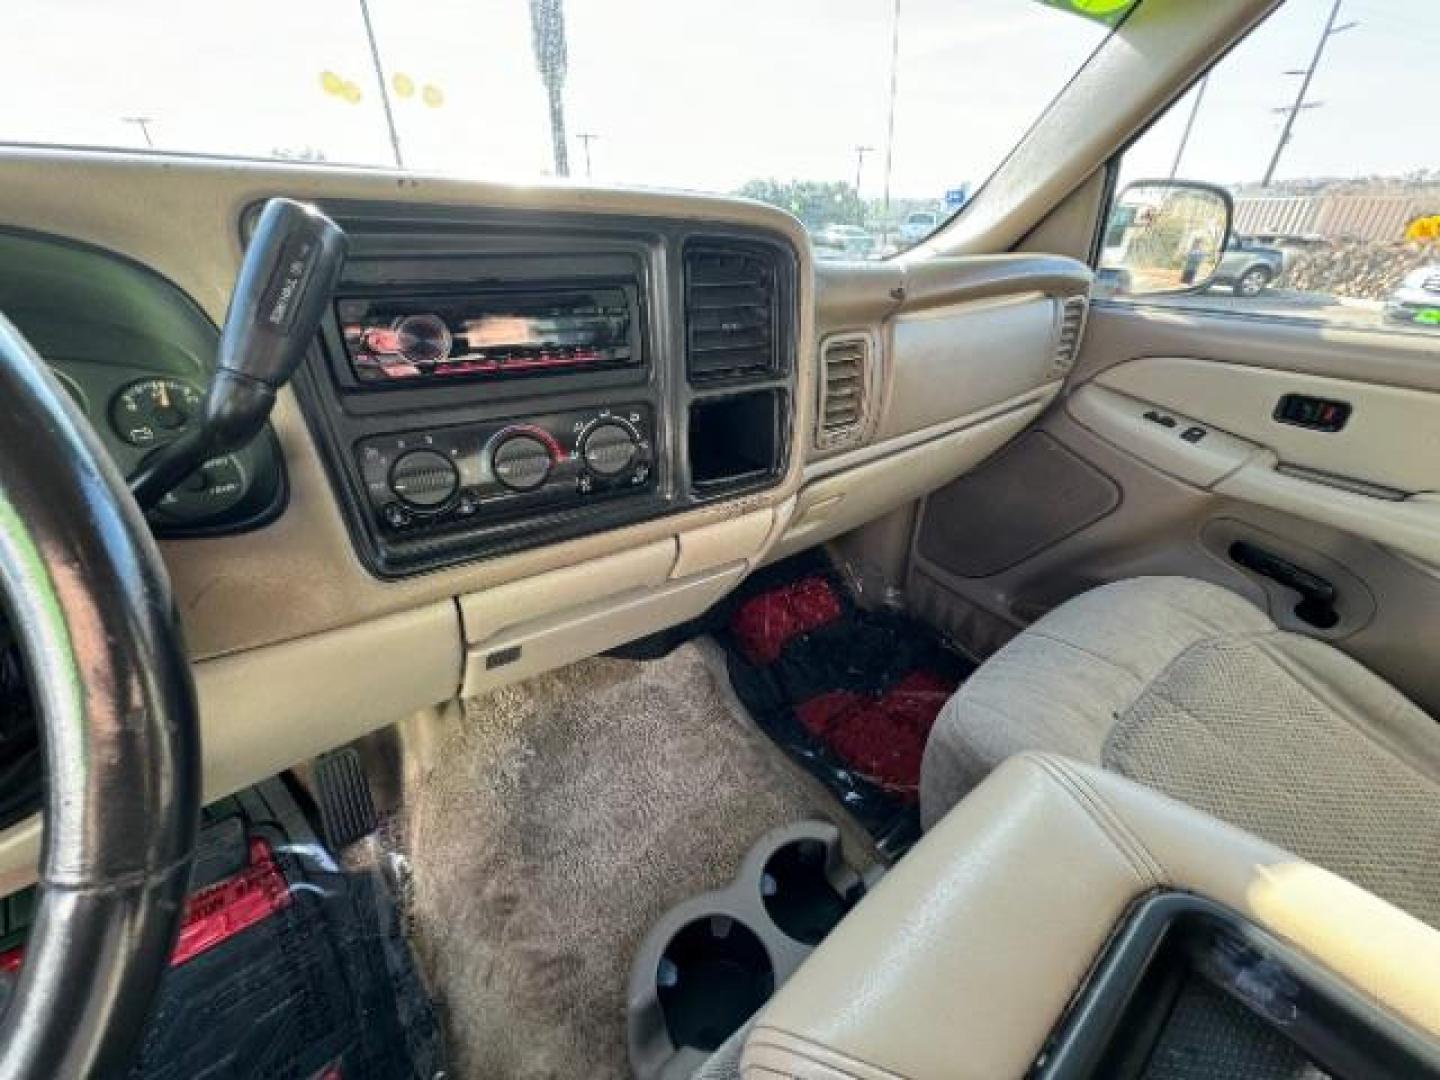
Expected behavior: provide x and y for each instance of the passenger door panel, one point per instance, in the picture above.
(1358, 507)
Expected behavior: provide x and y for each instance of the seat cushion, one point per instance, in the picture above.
(1190, 689)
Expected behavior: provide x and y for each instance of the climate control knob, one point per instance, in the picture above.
(424, 479)
(609, 448)
(521, 462)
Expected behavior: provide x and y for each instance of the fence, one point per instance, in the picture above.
(1333, 217)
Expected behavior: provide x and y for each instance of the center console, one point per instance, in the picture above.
(486, 384)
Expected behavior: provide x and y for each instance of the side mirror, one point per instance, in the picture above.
(1164, 236)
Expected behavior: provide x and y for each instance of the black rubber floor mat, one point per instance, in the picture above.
(849, 693)
(322, 987)
(288, 967)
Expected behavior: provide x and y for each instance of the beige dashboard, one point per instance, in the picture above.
(298, 647)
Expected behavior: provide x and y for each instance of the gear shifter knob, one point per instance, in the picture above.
(286, 280)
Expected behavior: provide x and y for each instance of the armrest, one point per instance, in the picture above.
(963, 959)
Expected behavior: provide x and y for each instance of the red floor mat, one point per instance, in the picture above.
(765, 624)
(882, 736)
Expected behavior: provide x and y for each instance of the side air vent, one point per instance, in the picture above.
(1072, 325)
(731, 312)
(846, 362)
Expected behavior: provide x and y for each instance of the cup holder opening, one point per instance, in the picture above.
(712, 977)
(799, 894)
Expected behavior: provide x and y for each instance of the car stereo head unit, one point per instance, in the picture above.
(410, 339)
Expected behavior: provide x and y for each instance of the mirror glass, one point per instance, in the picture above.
(1162, 236)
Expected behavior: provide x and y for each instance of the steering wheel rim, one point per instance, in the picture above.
(91, 606)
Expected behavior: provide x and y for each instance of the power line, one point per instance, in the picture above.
(1189, 124)
(384, 90)
(1308, 74)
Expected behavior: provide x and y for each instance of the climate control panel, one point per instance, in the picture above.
(447, 477)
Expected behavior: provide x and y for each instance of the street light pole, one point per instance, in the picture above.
(143, 123)
(586, 138)
(890, 123)
(1325, 35)
(860, 152)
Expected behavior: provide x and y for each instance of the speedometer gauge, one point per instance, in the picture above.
(153, 412)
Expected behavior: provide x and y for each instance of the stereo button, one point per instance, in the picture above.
(610, 449)
(521, 462)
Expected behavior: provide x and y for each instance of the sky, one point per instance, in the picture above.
(690, 94)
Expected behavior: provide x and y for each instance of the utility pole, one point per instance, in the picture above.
(587, 138)
(890, 123)
(1307, 75)
(1189, 124)
(860, 152)
(384, 87)
(143, 123)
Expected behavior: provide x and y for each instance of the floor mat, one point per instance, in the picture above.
(557, 822)
(849, 693)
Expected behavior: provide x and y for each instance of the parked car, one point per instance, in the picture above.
(1248, 267)
(851, 240)
(918, 225)
(1417, 300)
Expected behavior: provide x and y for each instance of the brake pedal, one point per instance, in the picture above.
(347, 809)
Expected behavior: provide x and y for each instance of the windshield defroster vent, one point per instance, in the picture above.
(1067, 344)
(731, 312)
(846, 361)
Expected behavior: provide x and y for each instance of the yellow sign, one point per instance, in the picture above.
(343, 89)
(1106, 11)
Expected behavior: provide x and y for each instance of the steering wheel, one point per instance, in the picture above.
(91, 607)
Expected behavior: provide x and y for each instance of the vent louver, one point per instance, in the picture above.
(1072, 324)
(844, 381)
(731, 312)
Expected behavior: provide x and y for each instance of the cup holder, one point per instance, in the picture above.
(712, 977)
(711, 962)
(801, 893)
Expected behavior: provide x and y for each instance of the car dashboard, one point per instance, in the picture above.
(539, 423)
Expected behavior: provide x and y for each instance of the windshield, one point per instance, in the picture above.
(845, 112)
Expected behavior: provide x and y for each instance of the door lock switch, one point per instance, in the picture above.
(1159, 418)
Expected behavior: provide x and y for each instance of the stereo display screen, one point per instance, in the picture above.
(392, 339)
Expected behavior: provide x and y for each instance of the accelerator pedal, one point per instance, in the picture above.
(347, 809)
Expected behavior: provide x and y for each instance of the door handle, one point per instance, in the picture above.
(1317, 595)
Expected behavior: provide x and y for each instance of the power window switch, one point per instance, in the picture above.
(1159, 418)
(1193, 434)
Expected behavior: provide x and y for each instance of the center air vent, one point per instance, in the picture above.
(845, 364)
(731, 312)
(1067, 345)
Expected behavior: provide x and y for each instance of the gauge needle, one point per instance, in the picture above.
(164, 396)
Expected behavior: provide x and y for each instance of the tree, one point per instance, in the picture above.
(547, 32)
(816, 203)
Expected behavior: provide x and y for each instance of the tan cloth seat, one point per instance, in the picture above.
(1193, 691)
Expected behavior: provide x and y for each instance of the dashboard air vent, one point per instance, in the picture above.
(845, 364)
(731, 312)
(1067, 346)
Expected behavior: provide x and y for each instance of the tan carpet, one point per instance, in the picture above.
(565, 815)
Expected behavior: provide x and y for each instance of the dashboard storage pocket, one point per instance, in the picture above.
(735, 441)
